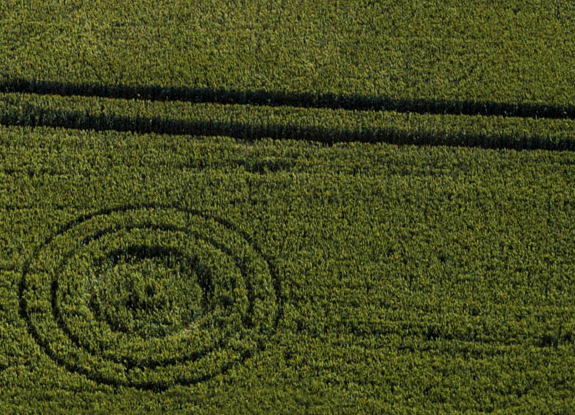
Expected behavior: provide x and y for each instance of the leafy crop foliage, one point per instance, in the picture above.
(287, 122)
(287, 207)
(212, 274)
(504, 51)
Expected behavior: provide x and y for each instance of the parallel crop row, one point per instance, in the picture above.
(256, 122)
(315, 99)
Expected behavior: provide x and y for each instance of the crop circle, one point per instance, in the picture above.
(149, 297)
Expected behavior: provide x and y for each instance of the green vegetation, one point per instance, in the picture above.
(505, 51)
(287, 207)
(378, 277)
(318, 124)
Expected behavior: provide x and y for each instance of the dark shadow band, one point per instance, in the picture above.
(292, 99)
(41, 117)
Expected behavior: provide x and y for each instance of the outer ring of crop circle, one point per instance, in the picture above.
(153, 386)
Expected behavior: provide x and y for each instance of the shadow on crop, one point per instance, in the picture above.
(35, 116)
(292, 99)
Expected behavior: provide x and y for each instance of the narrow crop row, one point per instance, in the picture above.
(287, 99)
(248, 122)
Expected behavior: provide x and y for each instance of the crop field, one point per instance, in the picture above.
(287, 207)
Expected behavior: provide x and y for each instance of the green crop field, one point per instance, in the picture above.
(287, 207)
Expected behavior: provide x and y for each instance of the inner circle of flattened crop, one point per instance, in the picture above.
(150, 291)
(148, 297)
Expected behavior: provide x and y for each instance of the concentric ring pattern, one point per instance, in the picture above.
(149, 297)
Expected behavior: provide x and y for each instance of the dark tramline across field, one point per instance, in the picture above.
(254, 116)
(286, 99)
